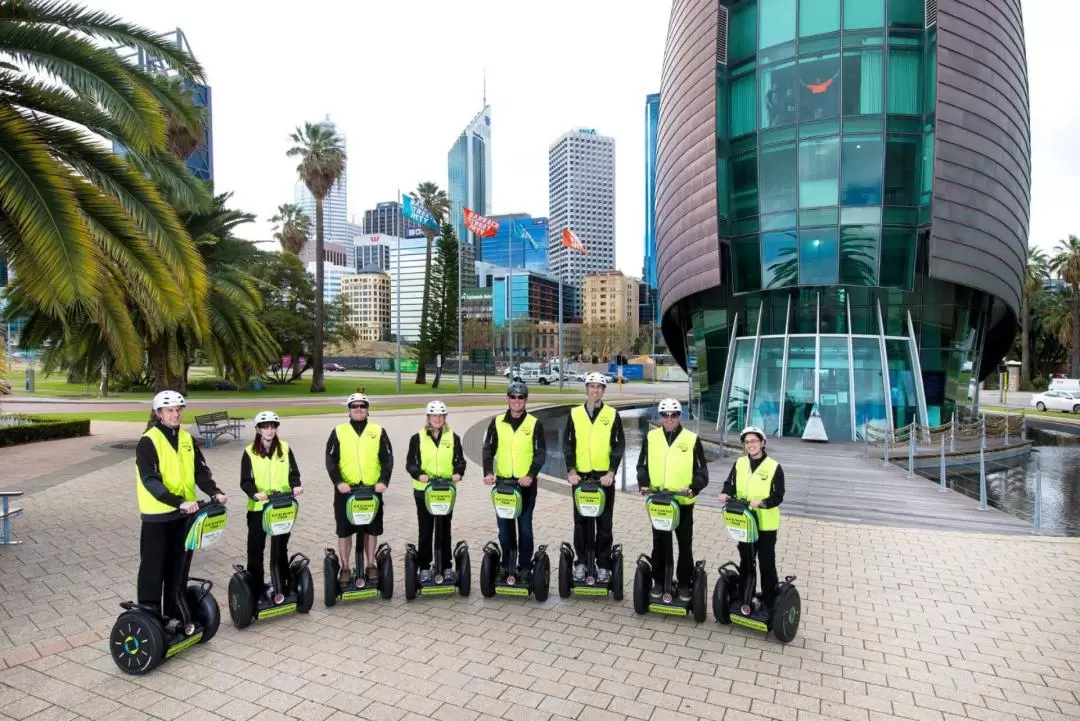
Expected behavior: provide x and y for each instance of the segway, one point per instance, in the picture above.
(282, 596)
(664, 513)
(742, 606)
(360, 508)
(590, 500)
(141, 639)
(439, 498)
(506, 497)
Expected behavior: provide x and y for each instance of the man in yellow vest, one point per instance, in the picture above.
(358, 452)
(268, 466)
(168, 467)
(758, 478)
(514, 447)
(434, 452)
(673, 460)
(593, 447)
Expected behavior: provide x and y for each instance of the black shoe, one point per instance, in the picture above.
(524, 576)
(657, 591)
(500, 577)
(684, 593)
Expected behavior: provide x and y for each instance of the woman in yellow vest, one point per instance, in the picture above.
(267, 467)
(168, 467)
(759, 479)
(434, 452)
(672, 459)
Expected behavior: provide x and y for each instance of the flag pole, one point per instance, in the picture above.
(460, 352)
(397, 284)
(510, 299)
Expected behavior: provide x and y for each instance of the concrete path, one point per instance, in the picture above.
(897, 623)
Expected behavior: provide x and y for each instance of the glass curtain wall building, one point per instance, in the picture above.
(843, 266)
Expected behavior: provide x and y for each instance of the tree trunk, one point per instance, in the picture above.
(423, 348)
(317, 385)
(1025, 339)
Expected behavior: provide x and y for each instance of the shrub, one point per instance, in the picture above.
(211, 384)
(16, 429)
(1039, 384)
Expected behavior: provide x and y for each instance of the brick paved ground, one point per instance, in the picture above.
(897, 623)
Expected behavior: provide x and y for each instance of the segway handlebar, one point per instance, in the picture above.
(280, 496)
(665, 496)
(737, 505)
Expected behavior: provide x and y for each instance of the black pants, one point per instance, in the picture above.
(425, 546)
(662, 549)
(256, 544)
(603, 531)
(518, 535)
(161, 564)
(766, 562)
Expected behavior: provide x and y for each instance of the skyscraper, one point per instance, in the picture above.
(387, 218)
(581, 197)
(652, 125)
(469, 172)
(335, 212)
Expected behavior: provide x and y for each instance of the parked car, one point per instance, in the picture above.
(335, 367)
(1066, 401)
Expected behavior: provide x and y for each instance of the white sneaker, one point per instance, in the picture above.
(603, 575)
(579, 572)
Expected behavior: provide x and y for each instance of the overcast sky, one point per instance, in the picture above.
(402, 80)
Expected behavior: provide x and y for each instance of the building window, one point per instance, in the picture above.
(817, 256)
(819, 86)
(777, 171)
(859, 255)
(863, 14)
(861, 170)
(819, 172)
(778, 95)
(905, 73)
(817, 17)
(863, 82)
(742, 102)
(746, 263)
(780, 259)
(744, 186)
(901, 169)
(742, 30)
(897, 267)
(905, 13)
(776, 22)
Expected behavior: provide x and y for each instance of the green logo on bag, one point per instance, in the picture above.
(664, 516)
(361, 511)
(507, 504)
(278, 520)
(439, 501)
(206, 529)
(590, 504)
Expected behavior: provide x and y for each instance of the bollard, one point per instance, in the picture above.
(911, 453)
(1037, 521)
(952, 433)
(982, 477)
(941, 470)
(885, 449)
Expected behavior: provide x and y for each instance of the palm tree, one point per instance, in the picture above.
(70, 208)
(1066, 263)
(1037, 271)
(322, 161)
(292, 227)
(438, 204)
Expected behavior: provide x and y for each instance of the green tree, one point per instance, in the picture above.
(1037, 271)
(322, 161)
(1066, 263)
(438, 204)
(292, 227)
(441, 330)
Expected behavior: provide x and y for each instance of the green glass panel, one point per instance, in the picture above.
(864, 38)
(804, 313)
(778, 221)
(925, 214)
(765, 404)
(778, 135)
(861, 161)
(776, 170)
(723, 209)
(900, 216)
(799, 390)
(780, 259)
(905, 13)
(742, 370)
(905, 82)
(774, 322)
(818, 216)
(818, 256)
(777, 53)
(870, 381)
(819, 172)
(744, 195)
(930, 84)
(859, 255)
(819, 128)
(860, 216)
(863, 320)
(742, 105)
(817, 17)
(779, 99)
(903, 124)
(776, 22)
(819, 86)
(859, 14)
(834, 388)
(902, 155)
(721, 106)
(745, 144)
(742, 30)
(897, 258)
(863, 82)
(744, 226)
(902, 382)
(746, 264)
(926, 187)
(820, 44)
(864, 125)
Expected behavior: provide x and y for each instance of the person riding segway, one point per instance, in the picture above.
(593, 446)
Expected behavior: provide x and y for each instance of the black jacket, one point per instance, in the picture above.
(698, 481)
(491, 444)
(333, 455)
(247, 476)
(617, 440)
(146, 460)
(412, 458)
(776, 492)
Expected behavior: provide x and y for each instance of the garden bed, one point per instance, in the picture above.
(17, 429)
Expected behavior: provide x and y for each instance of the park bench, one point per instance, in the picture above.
(218, 423)
(6, 514)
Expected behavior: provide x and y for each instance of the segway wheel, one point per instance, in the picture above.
(241, 601)
(566, 570)
(786, 613)
(386, 576)
(487, 575)
(700, 607)
(410, 575)
(205, 609)
(617, 578)
(641, 590)
(330, 580)
(721, 600)
(137, 642)
(305, 590)
(464, 573)
(541, 577)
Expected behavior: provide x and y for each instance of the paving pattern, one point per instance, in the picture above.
(897, 623)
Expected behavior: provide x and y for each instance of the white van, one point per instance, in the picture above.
(1065, 384)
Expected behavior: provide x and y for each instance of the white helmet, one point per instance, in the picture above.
(596, 378)
(670, 405)
(436, 408)
(357, 398)
(267, 417)
(169, 399)
(752, 429)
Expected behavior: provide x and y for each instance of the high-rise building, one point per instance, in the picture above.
(410, 284)
(530, 242)
(332, 275)
(333, 253)
(388, 219)
(841, 209)
(469, 172)
(652, 126)
(581, 197)
(611, 310)
(367, 295)
(335, 204)
(371, 251)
